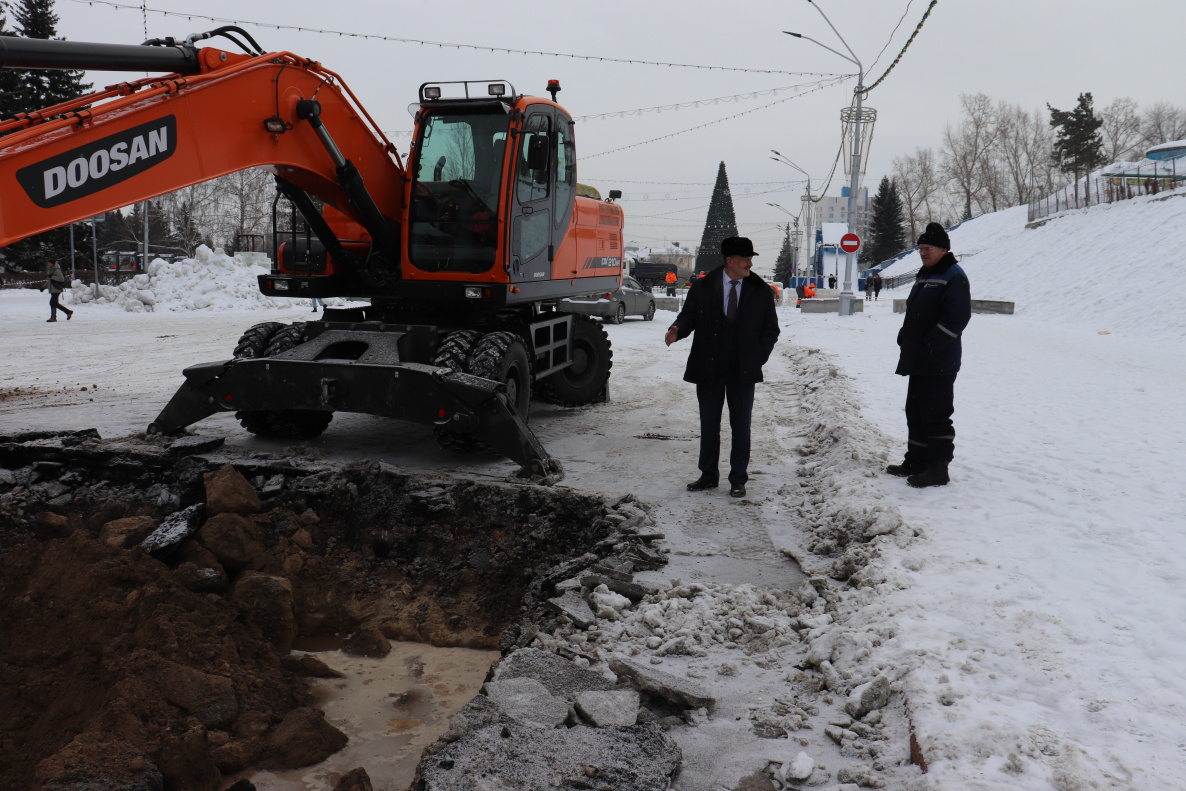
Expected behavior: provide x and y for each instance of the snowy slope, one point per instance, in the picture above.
(1107, 267)
(1041, 614)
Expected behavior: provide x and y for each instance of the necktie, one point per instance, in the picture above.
(731, 312)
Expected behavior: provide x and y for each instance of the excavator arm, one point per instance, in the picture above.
(218, 112)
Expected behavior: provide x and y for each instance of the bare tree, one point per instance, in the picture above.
(966, 145)
(191, 213)
(918, 184)
(1121, 129)
(1162, 123)
(246, 206)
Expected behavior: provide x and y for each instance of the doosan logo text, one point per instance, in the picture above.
(99, 164)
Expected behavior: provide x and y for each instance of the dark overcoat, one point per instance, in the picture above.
(937, 311)
(704, 313)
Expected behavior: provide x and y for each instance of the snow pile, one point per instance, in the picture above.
(1079, 267)
(208, 281)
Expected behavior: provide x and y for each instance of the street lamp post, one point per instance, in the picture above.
(846, 296)
(808, 201)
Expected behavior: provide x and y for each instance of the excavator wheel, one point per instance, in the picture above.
(502, 356)
(254, 341)
(285, 339)
(585, 380)
(284, 423)
(454, 353)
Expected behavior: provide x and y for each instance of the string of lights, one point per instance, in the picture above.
(694, 103)
(909, 41)
(440, 44)
(694, 183)
(823, 84)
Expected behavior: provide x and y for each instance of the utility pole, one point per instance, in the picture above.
(804, 219)
(145, 268)
(846, 295)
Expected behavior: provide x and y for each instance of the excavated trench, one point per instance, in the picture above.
(169, 621)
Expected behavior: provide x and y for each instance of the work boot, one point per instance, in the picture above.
(906, 468)
(934, 475)
(702, 483)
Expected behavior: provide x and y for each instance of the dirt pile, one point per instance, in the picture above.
(126, 668)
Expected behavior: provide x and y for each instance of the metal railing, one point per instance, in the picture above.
(1106, 188)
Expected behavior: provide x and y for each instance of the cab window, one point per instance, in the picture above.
(455, 192)
(531, 184)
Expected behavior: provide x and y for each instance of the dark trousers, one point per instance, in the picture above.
(930, 403)
(54, 307)
(712, 400)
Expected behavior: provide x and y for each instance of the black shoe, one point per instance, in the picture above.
(737, 490)
(702, 483)
(934, 475)
(906, 468)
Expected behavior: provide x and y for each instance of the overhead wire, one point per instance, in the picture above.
(909, 41)
(822, 85)
(692, 103)
(443, 44)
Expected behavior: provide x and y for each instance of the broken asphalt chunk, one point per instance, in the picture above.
(680, 691)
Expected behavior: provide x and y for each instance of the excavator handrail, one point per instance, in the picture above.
(115, 107)
(67, 112)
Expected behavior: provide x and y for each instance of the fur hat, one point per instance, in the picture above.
(935, 236)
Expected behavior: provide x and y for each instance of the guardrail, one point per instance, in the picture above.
(1107, 188)
(37, 279)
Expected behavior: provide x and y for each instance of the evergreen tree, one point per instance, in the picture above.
(887, 228)
(36, 19)
(720, 225)
(22, 91)
(1078, 145)
(784, 264)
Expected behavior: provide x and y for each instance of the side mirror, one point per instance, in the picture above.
(614, 195)
(537, 152)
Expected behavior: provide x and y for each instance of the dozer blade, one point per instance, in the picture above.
(407, 391)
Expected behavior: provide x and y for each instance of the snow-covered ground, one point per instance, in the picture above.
(1027, 615)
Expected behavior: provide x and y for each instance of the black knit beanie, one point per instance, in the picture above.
(935, 236)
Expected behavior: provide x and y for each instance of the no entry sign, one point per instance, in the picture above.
(850, 243)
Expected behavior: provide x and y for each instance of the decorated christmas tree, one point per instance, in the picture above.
(721, 224)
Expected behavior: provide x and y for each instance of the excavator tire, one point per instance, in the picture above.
(285, 339)
(503, 357)
(254, 341)
(585, 380)
(454, 353)
(284, 423)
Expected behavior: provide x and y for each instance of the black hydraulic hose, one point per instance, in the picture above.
(35, 53)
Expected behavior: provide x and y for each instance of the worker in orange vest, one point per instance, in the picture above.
(670, 284)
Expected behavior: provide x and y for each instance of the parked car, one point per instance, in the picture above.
(631, 299)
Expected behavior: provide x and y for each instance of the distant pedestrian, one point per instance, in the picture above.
(55, 281)
(318, 302)
(937, 311)
(876, 286)
(831, 281)
(670, 278)
(868, 287)
(733, 317)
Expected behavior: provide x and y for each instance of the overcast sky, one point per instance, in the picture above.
(1027, 52)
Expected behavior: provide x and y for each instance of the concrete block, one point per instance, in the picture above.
(978, 306)
(992, 306)
(611, 709)
(817, 305)
(667, 303)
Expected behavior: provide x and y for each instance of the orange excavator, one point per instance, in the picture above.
(457, 260)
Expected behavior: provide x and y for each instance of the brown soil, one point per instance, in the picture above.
(119, 667)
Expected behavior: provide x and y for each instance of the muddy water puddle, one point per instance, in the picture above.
(391, 708)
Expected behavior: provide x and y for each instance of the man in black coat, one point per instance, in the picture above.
(937, 311)
(731, 311)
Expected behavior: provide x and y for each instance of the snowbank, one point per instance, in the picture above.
(1106, 266)
(208, 281)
